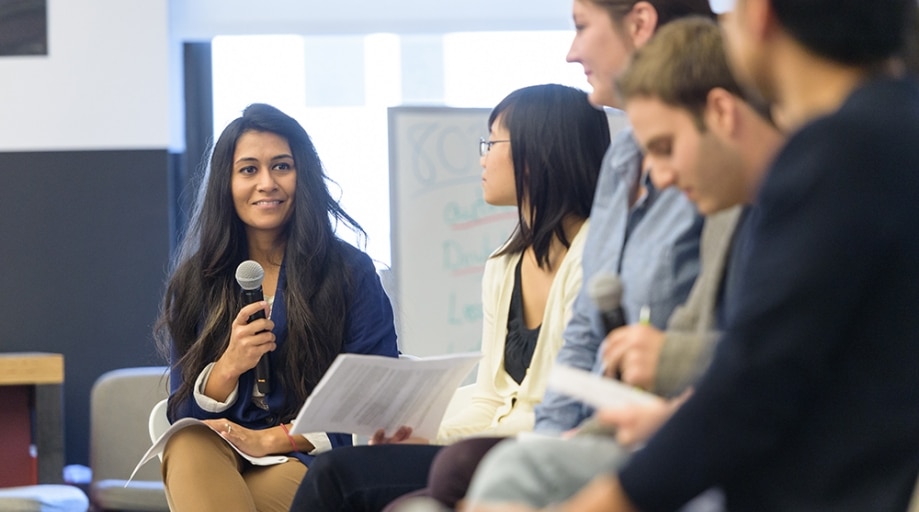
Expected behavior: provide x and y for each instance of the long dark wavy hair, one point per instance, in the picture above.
(558, 140)
(202, 296)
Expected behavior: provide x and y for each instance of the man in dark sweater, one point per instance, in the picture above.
(812, 398)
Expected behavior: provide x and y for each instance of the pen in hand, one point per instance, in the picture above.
(644, 318)
(644, 315)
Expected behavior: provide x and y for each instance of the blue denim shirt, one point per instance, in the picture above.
(654, 247)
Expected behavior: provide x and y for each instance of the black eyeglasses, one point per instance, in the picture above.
(485, 145)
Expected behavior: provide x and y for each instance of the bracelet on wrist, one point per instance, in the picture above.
(293, 443)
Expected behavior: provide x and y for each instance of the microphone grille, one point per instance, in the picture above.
(606, 291)
(249, 275)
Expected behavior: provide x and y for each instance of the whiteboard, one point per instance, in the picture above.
(442, 230)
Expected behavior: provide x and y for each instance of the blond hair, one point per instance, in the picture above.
(680, 65)
(667, 10)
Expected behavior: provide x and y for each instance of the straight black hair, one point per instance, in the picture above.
(558, 140)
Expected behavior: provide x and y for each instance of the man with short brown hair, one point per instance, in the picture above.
(812, 399)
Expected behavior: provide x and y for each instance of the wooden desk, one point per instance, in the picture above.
(31, 385)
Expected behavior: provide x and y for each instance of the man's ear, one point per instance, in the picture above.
(641, 23)
(721, 112)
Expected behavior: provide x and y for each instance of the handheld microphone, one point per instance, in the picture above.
(249, 275)
(606, 291)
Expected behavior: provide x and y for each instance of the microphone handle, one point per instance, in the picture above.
(261, 375)
(262, 369)
(613, 319)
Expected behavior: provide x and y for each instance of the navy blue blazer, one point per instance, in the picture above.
(812, 400)
(370, 330)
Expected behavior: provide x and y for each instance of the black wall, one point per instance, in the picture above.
(23, 27)
(84, 245)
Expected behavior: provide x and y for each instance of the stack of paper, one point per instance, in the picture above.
(361, 394)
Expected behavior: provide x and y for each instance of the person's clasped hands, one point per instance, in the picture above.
(631, 354)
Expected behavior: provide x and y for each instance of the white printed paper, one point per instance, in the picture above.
(160, 444)
(362, 393)
(594, 390)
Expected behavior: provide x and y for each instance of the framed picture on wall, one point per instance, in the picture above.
(23, 27)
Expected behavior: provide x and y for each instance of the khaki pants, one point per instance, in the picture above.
(202, 473)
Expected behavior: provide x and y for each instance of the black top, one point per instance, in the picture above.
(812, 399)
(520, 342)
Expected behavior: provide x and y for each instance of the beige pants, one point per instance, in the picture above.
(202, 473)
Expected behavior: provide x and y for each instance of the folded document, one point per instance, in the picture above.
(362, 393)
(594, 390)
(160, 444)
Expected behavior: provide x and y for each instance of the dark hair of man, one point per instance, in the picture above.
(558, 140)
(911, 51)
(853, 32)
(680, 65)
(667, 10)
(202, 296)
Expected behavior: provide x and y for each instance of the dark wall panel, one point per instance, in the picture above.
(84, 244)
(23, 27)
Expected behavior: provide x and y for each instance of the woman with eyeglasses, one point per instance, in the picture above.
(648, 237)
(542, 155)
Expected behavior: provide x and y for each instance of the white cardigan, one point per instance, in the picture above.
(500, 406)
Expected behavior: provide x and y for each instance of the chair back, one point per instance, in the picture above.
(158, 421)
(120, 405)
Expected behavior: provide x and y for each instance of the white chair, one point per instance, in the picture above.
(43, 498)
(120, 405)
(157, 424)
(158, 421)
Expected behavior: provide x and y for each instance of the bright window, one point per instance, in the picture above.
(350, 134)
